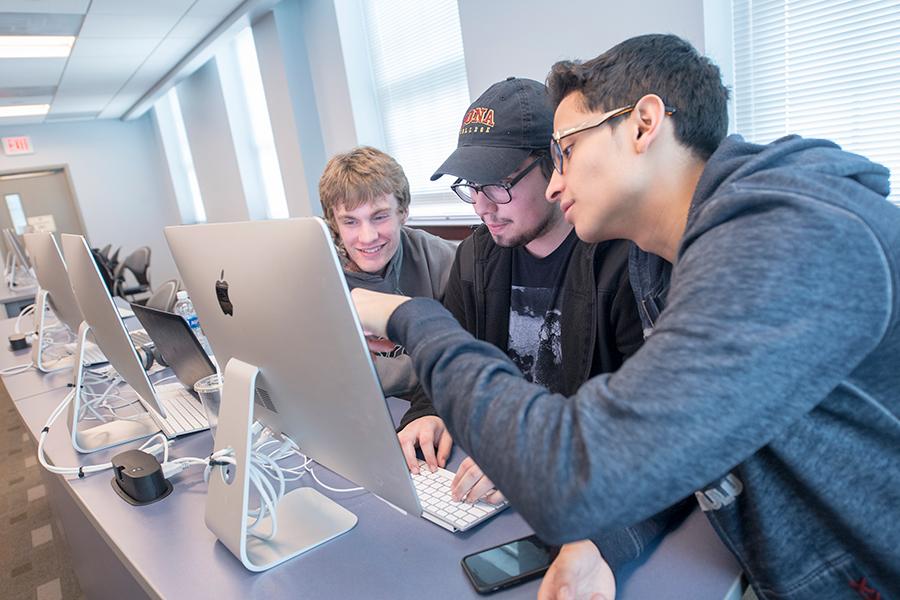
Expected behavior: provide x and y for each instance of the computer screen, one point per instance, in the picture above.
(106, 325)
(53, 278)
(272, 294)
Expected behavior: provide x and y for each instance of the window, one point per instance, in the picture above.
(14, 205)
(251, 129)
(422, 92)
(820, 69)
(178, 155)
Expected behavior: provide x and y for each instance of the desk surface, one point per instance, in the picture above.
(17, 293)
(169, 550)
(32, 381)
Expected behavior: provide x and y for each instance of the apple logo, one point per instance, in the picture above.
(222, 295)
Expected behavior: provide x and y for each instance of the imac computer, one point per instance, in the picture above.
(274, 304)
(170, 408)
(54, 292)
(16, 260)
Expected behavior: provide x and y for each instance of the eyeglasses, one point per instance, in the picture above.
(498, 193)
(559, 155)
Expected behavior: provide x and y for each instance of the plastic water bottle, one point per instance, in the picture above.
(185, 308)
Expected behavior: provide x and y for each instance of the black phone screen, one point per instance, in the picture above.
(506, 565)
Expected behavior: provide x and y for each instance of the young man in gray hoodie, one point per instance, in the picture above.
(365, 199)
(770, 386)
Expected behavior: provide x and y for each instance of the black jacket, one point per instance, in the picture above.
(600, 322)
(600, 329)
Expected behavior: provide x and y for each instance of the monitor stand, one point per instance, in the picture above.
(37, 351)
(306, 518)
(108, 434)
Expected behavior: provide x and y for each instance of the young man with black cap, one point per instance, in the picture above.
(562, 310)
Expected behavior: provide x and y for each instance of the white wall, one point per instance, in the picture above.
(121, 182)
(212, 145)
(523, 38)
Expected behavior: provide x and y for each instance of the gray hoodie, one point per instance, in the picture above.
(770, 385)
(420, 267)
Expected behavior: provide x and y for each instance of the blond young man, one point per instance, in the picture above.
(365, 199)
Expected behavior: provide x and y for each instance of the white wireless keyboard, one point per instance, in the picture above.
(92, 353)
(438, 505)
(184, 413)
(139, 337)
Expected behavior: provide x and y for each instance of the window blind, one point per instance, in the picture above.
(820, 68)
(420, 82)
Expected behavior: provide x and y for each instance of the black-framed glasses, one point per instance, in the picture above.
(498, 193)
(559, 155)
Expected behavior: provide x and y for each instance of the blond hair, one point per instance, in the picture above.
(360, 176)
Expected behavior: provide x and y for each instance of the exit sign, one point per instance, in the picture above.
(17, 145)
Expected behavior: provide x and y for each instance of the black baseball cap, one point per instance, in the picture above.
(508, 122)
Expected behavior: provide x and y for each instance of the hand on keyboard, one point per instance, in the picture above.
(471, 484)
(428, 433)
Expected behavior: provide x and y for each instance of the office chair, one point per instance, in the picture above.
(106, 273)
(114, 259)
(163, 296)
(138, 264)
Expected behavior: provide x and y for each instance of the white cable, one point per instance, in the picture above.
(331, 489)
(80, 471)
(15, 370)
(148, 447)
(26, 311)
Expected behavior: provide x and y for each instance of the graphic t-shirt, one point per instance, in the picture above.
(535, 313)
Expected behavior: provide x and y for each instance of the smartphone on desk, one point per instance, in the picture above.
(508, 564)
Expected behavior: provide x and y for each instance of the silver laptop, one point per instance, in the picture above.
(272, 294)
(172, 407)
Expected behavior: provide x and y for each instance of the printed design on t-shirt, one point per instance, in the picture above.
(535, 344)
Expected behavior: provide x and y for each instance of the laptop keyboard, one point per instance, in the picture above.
(184, 413)
(438, 505)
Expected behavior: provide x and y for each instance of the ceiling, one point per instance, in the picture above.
(124, 53)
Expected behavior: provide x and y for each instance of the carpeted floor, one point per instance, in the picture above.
(34, 561)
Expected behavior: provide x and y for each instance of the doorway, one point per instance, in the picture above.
(39, 201)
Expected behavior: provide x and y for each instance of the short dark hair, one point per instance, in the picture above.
(665, 65)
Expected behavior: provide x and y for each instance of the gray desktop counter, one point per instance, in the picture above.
(17, 298)
(165, 550)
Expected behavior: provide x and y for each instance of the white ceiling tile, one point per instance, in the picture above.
(72, 103)
(39, 23)
(30, 71)
(98, 75)
(101, 47)
(46, 6)
(195, 27)
(213, 8)
(140, 7)
(117, 26)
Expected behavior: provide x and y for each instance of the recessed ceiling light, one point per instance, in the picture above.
(24, 110)
(36, 46)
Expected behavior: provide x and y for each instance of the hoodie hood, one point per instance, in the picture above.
(791, 164)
